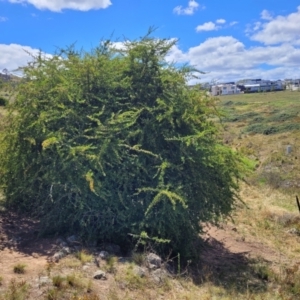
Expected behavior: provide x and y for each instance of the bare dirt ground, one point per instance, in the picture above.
(225, 257)
(19, 244)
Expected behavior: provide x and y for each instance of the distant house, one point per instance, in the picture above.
(259, 85)
(292, 84)
(228, 88)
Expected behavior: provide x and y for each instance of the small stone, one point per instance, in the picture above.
(100, 275)
(58, 256)
(66, 250)
(35, 255)
(85, 267)
(103, 254)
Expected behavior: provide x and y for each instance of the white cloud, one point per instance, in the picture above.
(257, 26)
(59, 5)
(3, 19)
(228, 59)
(233, 23)
(119, 45)
(251, 29)
(176, 55)
(14, 56)
(208, 26)
(221, 21)
(266, 15)
(280, 29)
(189, 10)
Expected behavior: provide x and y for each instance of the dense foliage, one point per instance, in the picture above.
(3, 101)
(113, 144)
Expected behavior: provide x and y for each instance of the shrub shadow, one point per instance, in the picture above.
(20, 233)
(232, 271)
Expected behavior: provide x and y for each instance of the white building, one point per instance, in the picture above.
(225, 89)
(259, 85)
(293, 85)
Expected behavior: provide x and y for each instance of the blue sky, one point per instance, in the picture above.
(230, 40)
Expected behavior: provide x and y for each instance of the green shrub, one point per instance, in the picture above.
(3, 101)
(17, 290)
(113, 143)
(19, 268)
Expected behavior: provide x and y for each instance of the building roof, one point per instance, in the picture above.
(252, 85)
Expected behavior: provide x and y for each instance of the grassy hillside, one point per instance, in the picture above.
(262, 126)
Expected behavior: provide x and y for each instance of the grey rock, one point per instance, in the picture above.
(103, 254)
(140, 271)
(44, 280)
(58, 256)
(152, 266)
(35, 255)
(159, 275)
(100, 275)
(66, 250)
(294, 231)
(85, 267)
(153, 260)
(41, 281)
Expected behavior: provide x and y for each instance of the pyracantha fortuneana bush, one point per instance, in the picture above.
(113, 143)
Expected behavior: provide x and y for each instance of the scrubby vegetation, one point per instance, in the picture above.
(112, 144)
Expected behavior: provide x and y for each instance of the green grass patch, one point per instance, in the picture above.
(282, 116)
(267, 129)
(241, 117)
(19, 269)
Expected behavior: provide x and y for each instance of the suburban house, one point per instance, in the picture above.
(228, 88)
